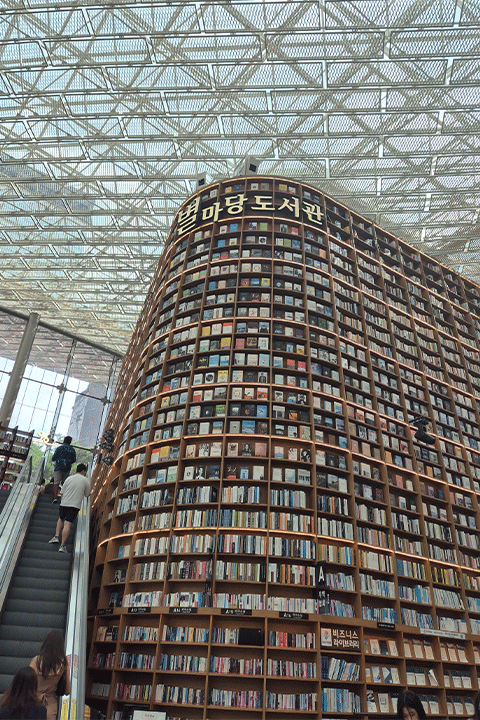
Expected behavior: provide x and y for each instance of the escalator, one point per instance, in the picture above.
(3, 498)
(38, 594)
(42, 589)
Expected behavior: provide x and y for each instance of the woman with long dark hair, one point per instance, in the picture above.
(409, 707)
(20, 701)
(50, 665)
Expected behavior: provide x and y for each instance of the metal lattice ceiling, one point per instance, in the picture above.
(109, 110)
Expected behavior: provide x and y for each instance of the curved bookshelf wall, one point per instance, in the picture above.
(272, 541)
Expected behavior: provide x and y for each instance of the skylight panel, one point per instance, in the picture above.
(435, 41)
(100, 51)
(325, 45)
(389, 13)
(208, 48)
(162, 77)
(11, 222)
(19, 171)
(295, 167)
(10, 131)
(458, 180)
(55, 80)
(92, 103)
(465, 71)
(355, 13)
(290, 101)
(242, 125)
(42, 23)
(20, 54)
(353, 123)
(146, 19)
(269, 75)
(452, 163)
(377, 72)
(282, 14)
(418, 143)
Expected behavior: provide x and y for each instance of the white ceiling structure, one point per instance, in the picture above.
(109, 110)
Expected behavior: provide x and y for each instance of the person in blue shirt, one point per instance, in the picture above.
(63, 457)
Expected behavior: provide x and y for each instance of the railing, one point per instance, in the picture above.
(73, 705)
(14, 521)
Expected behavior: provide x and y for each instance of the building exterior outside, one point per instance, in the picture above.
(60, 368)
(272, 540)
(87, 415)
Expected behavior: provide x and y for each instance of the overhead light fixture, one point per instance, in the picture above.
(200, 181)
(248, 166)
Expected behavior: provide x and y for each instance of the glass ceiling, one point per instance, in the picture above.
(110, 108)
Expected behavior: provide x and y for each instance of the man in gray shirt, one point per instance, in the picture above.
(74, 489)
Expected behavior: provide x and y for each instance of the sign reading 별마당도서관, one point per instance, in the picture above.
(192, 215)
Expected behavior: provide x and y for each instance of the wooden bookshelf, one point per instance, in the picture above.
(14, 448)
(271, 538)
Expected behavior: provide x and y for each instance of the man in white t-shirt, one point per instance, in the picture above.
(74, 489)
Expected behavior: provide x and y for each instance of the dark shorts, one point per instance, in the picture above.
(68, 513)
(59, 476)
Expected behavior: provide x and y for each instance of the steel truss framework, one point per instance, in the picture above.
(109, 110)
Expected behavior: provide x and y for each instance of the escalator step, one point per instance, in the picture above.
(45, 524)
(32, 606)
(61, 577)
(42, 595)
(26, 581)
(36, 619)
(48, 554)
(5, 681)
(57, 573)
(46, 520)
(20, 648)
(53, 554)
(39, 537)
(35, 634)
(12, 664)
(43, 540)
(44, 550)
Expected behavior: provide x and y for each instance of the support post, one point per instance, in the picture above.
(18, 369)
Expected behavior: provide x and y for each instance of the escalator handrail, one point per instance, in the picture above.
(73, 705)
(14, 521)
(26, 475)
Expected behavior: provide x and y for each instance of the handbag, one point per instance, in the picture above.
(62, 685)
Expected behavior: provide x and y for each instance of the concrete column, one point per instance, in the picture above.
(18, 369)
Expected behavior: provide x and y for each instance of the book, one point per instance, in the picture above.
(246, 449)
(248, 427)
(232, 449)
(417, 648)
(452, 652)
(260, 449)
(216, 449)
(258, 472)
(384, 703)
(392, 648)
(372, 706)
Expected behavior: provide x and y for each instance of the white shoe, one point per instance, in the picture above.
(54, 540)
(62, 548)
